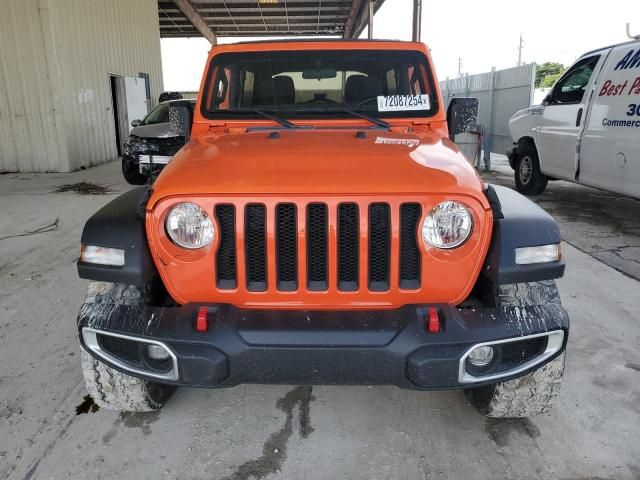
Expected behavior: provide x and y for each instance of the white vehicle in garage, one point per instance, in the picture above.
(587, 130)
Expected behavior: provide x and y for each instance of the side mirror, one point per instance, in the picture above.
(181, 118)
(136, 123)
(462, 115)
(547, 100)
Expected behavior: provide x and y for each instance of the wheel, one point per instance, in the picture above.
(529, 179)
(535, 392)
(110, 388)
(131, 173)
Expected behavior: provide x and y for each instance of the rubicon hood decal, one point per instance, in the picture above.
(409, 142)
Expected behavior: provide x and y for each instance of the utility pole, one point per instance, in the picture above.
(520, 51)
(459, 66)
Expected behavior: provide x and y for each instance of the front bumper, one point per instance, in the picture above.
(390, 347)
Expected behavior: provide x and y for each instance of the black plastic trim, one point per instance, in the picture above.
(523, 224)
(121, 224)
(384, 347)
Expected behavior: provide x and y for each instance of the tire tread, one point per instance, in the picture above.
(110, 388)
(535, 392)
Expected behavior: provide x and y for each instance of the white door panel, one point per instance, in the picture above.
(610, 148)
(136, 95)
(563, 119)
(557, 140)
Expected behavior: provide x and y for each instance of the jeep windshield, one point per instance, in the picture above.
(318, 84)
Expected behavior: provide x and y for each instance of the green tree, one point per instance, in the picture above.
(547, 73)
(549, 80)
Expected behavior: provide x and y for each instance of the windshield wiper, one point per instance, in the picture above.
(281, 121)
(377, 121)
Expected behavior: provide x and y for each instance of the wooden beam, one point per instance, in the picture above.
(351, 19)
(197, 21)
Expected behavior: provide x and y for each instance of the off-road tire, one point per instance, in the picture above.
(110, 388)
(131, 172)
(535, 392)
(529, 179)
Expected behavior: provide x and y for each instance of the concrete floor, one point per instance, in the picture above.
(324, 432)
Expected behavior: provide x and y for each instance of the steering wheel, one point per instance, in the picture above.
(365, 101)
(320, 99)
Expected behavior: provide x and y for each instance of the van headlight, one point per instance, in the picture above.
(189, 226)
(448, 225)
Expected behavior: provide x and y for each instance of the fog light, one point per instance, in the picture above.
(481, 356)
(157, 352)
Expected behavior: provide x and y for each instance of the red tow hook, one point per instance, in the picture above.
(202, 322)
(433, 323)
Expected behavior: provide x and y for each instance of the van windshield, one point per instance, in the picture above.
(317, 84)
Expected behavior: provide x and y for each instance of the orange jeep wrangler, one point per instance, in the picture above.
(320, 227)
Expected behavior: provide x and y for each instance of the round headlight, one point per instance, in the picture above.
(448, 225)
(189, 226)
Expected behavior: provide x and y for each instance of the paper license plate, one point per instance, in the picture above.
(399, 103)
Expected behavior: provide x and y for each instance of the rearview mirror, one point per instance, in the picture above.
(462, 115)
(136, 123)
(547, 100)
(181, 118)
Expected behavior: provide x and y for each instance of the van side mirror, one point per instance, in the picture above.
(136, 123)
(181, 118)
(462, 115)
(547, 100)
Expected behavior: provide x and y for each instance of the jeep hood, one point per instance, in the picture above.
(318, 162)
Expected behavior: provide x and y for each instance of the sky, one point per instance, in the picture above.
(483, 34)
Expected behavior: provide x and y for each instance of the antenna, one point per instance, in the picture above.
(459, 66)
(632, 37)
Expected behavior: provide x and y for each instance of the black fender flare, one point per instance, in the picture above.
(519, 222)
(121, 224)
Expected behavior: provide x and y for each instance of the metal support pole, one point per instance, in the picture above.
(448, 92)
(417, 20)
(371, 19)
(488, 137)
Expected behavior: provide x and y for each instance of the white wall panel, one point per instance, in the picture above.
(55, 60)
(31, 135)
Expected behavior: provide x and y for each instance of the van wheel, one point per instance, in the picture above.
(529, 179)
(131, 173)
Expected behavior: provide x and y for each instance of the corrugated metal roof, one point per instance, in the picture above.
(251, 18)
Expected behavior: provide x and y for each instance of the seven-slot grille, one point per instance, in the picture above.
(324, 240)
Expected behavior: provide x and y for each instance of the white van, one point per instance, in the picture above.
(587, 129)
